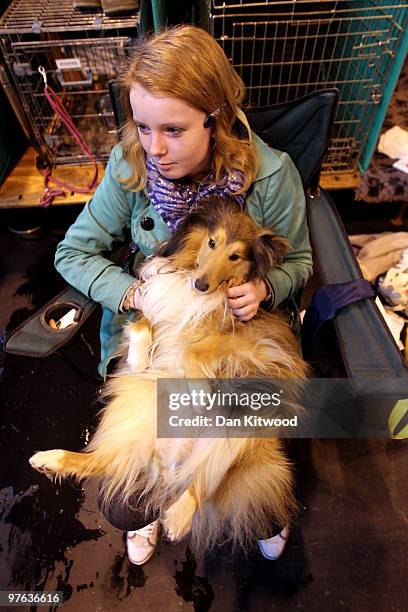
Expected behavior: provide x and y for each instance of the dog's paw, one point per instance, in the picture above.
(48, 462)
(178, 518)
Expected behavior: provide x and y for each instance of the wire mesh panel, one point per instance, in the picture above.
(81, 53)
(284, 50)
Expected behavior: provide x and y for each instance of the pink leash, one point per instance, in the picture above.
(59, 108)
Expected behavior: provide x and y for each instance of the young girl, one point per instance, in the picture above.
(185, 138)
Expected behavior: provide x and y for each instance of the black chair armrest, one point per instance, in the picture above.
(366, 344)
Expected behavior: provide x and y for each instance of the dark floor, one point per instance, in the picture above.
(347, 552)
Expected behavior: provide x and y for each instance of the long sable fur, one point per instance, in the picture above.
(240, 484)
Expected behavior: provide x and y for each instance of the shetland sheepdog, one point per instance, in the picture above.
(213, 488)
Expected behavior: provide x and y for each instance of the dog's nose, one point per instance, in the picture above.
(201, 285)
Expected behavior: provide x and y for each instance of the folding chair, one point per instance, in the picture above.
(343, 309)
(366, 347)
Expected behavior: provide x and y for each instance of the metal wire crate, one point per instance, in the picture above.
(81, 52)
(286, 49)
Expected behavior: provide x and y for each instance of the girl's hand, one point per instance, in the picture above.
(133, 298)
(244, 300)
(137, 298)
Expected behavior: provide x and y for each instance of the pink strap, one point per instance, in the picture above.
(50, 194)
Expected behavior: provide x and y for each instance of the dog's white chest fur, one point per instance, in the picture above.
(171, 305)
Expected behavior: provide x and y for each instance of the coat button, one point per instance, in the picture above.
(147, 223)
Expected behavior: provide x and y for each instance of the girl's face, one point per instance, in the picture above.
(172, 133)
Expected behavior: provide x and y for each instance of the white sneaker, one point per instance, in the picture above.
(272, 548)
(142, 543)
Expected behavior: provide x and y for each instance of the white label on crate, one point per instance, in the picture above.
(68, 64)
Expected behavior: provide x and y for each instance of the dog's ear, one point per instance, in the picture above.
(170, 247)
(183, 246)
(268, 250)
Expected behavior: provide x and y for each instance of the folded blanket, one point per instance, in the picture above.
(379, 252)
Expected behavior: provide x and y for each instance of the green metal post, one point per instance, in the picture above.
(146, 18)
(159, 14)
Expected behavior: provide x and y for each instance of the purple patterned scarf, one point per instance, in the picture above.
(173, 199)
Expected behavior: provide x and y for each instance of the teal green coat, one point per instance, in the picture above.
(276, 199)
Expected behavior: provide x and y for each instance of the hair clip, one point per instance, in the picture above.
(210, 119)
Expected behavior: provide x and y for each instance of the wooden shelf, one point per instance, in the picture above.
(25, 185)
(346, 180)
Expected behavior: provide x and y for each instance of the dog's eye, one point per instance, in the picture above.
(233, 257)
(211, 243)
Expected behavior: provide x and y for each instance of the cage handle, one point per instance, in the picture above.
(43, 73)
(61, 111)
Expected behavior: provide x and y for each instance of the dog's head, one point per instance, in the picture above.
(222, 244)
